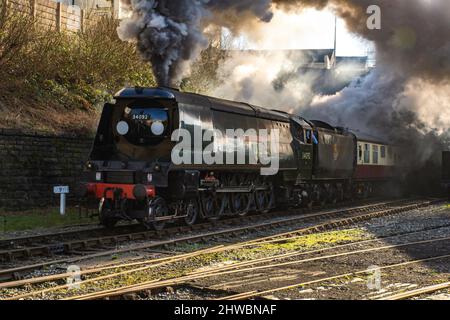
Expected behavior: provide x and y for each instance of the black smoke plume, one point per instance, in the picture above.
(170, 33)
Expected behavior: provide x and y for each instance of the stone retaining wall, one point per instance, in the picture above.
(31, 163)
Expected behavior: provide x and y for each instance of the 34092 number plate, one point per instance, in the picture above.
(141, 117)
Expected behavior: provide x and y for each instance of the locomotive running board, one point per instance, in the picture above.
(160, 219)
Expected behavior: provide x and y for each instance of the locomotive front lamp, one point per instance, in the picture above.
(157, 128)
(122, 128)
(91, 166)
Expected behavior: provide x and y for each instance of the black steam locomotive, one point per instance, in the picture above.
(131, 174)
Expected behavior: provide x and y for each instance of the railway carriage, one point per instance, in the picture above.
(377, 164)
(132, 175)
(376, 159)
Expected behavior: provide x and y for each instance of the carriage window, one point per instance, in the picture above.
(360, 153)
(375, 154)
(383, 152)
(366, 153)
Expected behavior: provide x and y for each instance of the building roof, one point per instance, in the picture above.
(303, 56)
(359, 60)
(368, 137)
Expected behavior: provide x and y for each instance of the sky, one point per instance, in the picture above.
(311, 29)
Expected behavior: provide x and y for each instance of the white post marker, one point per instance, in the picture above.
(62, 191)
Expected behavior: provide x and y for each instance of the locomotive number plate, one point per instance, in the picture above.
(141, 117)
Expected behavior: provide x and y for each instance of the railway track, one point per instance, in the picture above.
(221, 248)
(418, 292)
(252, 266)
(260, 294)
(68, 242)
(79, 234)
(348, 214)
(217, 272)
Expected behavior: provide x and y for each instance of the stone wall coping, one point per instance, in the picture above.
(44, 134)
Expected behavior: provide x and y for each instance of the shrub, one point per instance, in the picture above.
(56, 80)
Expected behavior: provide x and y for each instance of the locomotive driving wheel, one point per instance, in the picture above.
(105, 212)
(156, 208)
(264, 200)
(333, 194)
(322, 196)
(240, 203)
(209, 206)
(192, 211)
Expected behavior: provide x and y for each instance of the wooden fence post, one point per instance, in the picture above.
(82, 20)
(5, 8)
(58, 17)
(113, 4)
(33, 8)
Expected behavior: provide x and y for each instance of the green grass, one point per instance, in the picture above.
(294, 244)
(40, 219)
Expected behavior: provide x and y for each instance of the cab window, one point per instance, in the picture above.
(300, 134)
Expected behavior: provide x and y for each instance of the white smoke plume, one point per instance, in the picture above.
(409, 87)
(406, 98)
(169, 33)
(270, 79)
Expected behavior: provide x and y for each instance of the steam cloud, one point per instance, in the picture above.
(406, 97)
(170, 33)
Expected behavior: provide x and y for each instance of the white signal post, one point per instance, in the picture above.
(62, 191)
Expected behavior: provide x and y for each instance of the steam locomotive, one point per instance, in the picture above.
(131, 176)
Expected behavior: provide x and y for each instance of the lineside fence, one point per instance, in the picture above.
(58, 16)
